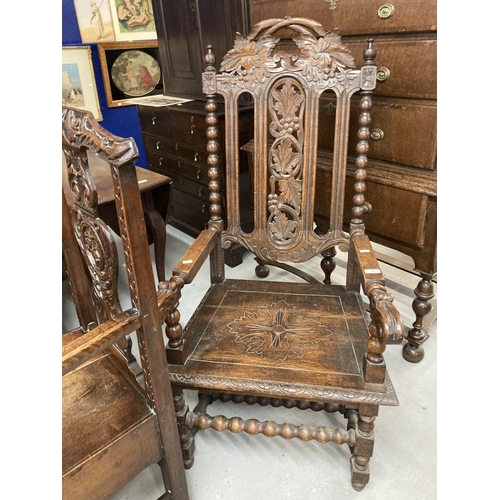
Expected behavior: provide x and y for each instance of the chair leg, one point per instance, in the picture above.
(362, 450)
(185, 434)
(413, 351)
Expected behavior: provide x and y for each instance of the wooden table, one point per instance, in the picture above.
(155, 193)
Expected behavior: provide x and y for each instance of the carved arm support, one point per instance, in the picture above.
(386, 320)
(191, 262)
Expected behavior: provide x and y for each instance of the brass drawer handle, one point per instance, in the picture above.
(158, 145)
(192, 127)
(383, 74)
(160, 162)
(387, 10)
(203, 209)
(367, 207)
(377, 134)
(196, 156)
(177, 146)
(198, 174)
(154, 120)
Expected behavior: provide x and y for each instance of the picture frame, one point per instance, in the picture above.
(130, 70)
(79, 88)
(94, 20)
(133, 21)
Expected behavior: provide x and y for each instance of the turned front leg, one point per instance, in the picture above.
(413, 351)
(363, 446)
(185, 435)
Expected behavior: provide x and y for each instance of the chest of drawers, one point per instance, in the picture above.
(175, 142)
(402, 173)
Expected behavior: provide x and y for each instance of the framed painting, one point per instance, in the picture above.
(130, 70)
(133, 20)
(78, 81)
(94, 21)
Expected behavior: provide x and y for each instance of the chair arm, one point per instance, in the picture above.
(387, 322)
(193, 259)
(84, 348)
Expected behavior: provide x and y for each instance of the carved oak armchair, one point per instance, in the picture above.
(305, 345)
(118, 414)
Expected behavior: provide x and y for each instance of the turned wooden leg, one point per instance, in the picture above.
(328, 264)
(363, 447)
(413, 351)
(185, 435)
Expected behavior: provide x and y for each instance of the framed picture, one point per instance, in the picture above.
(94, 21)
(78, 81)
(130, 70)
(133, 20)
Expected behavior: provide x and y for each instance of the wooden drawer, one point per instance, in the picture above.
(160, 146)
(411, 63)
(194, 189)
(172, 166)
(397, 213)
(189, 211)
(183, 123)
(409, 129)
(408, 15)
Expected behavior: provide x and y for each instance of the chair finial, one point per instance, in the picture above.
(209, 59)
(369, 53)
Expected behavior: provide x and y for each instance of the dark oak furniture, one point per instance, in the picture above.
(174, 136)
(155, 195)
(175, 143)
(401, 204)
(304, 345)
(117, 413)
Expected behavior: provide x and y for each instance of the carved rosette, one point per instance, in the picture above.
(278, 330)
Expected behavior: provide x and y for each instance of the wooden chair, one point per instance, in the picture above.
(117, 413)
(305, 345)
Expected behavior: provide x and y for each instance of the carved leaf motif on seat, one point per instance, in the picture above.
(279, 330)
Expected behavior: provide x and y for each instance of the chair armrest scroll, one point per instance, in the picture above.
(387, 322)
(84, 348)
(198, 252)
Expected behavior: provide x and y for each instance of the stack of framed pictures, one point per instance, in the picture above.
(115, 20)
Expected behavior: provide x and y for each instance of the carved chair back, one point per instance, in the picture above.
(286, 78)
(106, 329)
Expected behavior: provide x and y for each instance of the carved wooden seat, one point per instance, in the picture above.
(117, 413)
(306, 345)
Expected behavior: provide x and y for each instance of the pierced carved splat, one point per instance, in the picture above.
(279, 330)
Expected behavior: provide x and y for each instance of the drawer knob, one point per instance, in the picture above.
(196, 156)
(154, 120)
(198, 174)
(387, 10)
(192, 127)
(377, 134)
(203, 208)
(200, 192)
(367, 208)
(177, 146)
(160, 161)
(158, 145)
(383, 74)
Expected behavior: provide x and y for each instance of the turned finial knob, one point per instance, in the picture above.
(369, 53)
(209, 59)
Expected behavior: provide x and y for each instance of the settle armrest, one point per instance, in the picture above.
(84, 348)
(387, 322)
(198, 252)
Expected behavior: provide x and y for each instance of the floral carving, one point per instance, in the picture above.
(322, 55)
(279, 330)
(250, 58)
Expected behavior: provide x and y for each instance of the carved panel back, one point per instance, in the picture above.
(286, 78)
